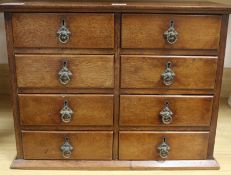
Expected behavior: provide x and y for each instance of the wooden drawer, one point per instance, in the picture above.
(87, 30)
(42, 71)
(137, 145)
(147, 31)
(86, 145)
(50, 109)
(165, 110)
(193, 72)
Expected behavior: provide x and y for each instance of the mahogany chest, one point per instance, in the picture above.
(115, 85)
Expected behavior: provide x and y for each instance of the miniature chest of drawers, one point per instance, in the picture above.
(115, 85)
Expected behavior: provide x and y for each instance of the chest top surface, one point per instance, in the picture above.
(166, 6)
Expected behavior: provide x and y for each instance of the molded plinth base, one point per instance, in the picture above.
(116, 165)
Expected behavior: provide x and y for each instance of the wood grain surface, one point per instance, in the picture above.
(144, 110)
(139, 145)
(144, 71)
(152, 6)
(41, 109)
(118, 53)
(88, 30)
(147, 31)
(8, 151)
(41, 71)
(86, 145)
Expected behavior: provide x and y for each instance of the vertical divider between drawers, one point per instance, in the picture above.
(116, 85)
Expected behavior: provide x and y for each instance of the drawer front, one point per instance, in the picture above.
(168, 72)
(193, 32)
(153, 110)
(84, 30)
(66, 109)
(46, 71)
(149, 145)
(83, 145)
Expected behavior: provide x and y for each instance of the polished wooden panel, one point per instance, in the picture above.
(146, 31)
(87, 145)
(139, 145)
(190, 72)
(88, 30)
(151, 6)
(144, 110)
(41, 71)
(38, 109)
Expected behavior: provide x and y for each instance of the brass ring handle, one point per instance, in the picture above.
(168, 75)
(66, 113)
(163, 149)
(171, 34)
(166, 114)
(64, 74)
(66, 148)
(63, 33)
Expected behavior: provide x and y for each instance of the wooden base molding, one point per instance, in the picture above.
(115, 165)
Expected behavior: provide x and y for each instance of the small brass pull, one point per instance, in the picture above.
(66, 148)
(163, 149)
(166, 114)
(63, 33)
(171, 34)
(66, 113)
(168, 75)
(64, 74)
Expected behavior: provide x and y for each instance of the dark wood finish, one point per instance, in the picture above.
(166, 51)
(67, 51)
(86, 145)
(145, 71)
(167, 91)
(73, 51)
(41, 71)
(88, 30)
(45, 109)
(110, 128)
(144, 110)
(138, 145)
(67, 90)
(116, 165)
(150, 6)
(110, 91)
(146, 31)
(161, 128)
(117, 86)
